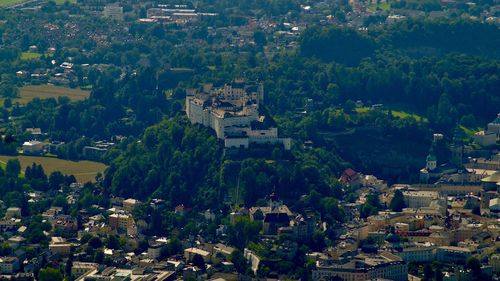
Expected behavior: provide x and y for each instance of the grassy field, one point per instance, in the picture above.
(84, 171)
(5, 3)
(395, 113)
(384, 6)
(403, 114)
(362, 110)
(60, 2)
(28, 93)
(469, 132)
(30, 55)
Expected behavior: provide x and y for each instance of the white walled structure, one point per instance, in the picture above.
(232, 111)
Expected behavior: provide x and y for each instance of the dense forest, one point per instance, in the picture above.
(446, 76)
(366, 98)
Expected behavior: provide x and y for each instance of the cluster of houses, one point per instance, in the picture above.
(119, 221)
(36, 144)
(468, 164)
(438, 223)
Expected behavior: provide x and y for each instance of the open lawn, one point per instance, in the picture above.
(362, 109)
(395, 113)
(28, 93)
(5, 3)
(60, 2)
(84, 171)
(30, 55)
(403, 114)
(469, 132)
(384, 6)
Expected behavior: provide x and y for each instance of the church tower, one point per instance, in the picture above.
(457, 148)
(431, 160)
(274, 203)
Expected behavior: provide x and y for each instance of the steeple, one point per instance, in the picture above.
(273, 201)
(431, 160)
(458, 135)
(457, 149)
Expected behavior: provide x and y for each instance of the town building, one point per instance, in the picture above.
(494, 126)
(33, 147)
(35, 133)
(274, 216)
(494, 205)
(419, 199)
(253, 259)
(189, 253)
(303, 227)
(54, 147)
(450, 254)
(113, 11)
(121, 222)
(59, 246)
(362, 267)
(351, 178)
(9, 265)
(97, 151)
(155, 249)
(130, 204)
(485, 138)
(13, 212)
(420, 252)
(168, 13)
(137, 274)
(80, 268)
(495, 262)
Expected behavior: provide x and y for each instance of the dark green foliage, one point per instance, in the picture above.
(341, 45)
(397, 202)
(34, 234)
(35, 175)
(243, 231)
(371, 207)
(113, 242)
(198, 261)
(50, 274)
(95, 242)
(13, 168)
(173, 161)
(5, 249)
(239, 261)
(474, 265)
(465, 36)
(428, 272)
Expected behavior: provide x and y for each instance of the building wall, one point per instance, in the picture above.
(418, 200)
(494, 128)
(61, 249)
(154, 252)
(326, 274)
(495, 262)
(423, 254)
(120, 222)
(234, 125)
(33, 148)
(485, 138)
(9, 267)
(253, 259)
(446, 254)
(397, 271)
(236, 142)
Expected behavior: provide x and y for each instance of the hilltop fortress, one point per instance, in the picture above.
(232, 111)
